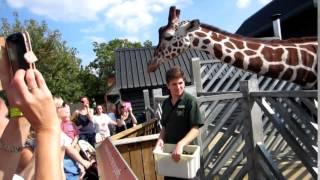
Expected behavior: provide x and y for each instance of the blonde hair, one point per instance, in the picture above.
(58, 101)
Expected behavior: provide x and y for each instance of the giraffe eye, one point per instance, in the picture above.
(168, 38)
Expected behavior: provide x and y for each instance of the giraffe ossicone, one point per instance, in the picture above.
(293, 60)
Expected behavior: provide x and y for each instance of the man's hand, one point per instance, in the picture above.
(175, 155)
(159, 146)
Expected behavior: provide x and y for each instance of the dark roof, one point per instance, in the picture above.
(298, 18)
(131, 67)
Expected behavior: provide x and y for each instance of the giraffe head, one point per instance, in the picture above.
(173, 39)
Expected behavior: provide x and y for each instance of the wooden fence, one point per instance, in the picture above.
(258, 129)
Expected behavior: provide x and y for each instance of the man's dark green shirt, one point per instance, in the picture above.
(178, 119)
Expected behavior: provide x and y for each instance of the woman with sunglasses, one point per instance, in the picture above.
(84, 121)
(125, 117)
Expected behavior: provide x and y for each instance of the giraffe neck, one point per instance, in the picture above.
(293, 61)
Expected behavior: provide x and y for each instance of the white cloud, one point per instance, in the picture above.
(243, 3)
(131, 38)
(264, 1)
(64, 10)
(97, 39)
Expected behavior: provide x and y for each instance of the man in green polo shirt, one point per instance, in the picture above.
(181, 117)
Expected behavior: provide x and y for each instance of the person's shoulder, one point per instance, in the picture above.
(189, 97)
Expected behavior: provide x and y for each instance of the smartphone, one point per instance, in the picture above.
(17, 45)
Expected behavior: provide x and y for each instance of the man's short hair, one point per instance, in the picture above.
(174, 73)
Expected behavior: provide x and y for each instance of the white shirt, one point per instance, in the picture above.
(101, 123)
(65, 140)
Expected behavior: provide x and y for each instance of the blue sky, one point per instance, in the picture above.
(82, 22)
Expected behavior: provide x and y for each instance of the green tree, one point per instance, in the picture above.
(57, 62)
(104, 64)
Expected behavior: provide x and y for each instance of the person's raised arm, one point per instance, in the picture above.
(29, 92)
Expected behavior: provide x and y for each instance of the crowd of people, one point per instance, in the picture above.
(39, 135)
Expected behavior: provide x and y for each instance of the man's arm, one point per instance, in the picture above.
(190, 136)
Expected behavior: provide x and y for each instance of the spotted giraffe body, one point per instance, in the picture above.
(293, 60)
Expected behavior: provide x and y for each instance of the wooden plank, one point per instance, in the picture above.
(301, 93)
(140, 68)
(128, 70)
(123, 71)
(136, 139)
(118, 66)
(124, 151)
(220, 97)
(294, 144)
(144, 62)
(155, 76)
(134, 69)
(148, 160)
(136, 160)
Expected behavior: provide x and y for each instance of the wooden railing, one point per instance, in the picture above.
(136, 145)
(146, 128)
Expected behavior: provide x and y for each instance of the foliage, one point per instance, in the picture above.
(57, 62)
(104, 64)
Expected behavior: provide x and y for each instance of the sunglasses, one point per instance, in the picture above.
(82, 102)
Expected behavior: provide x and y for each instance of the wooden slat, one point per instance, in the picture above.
(140, 68)
(134, 70)
(128, 71)
(136, 160)
(124, 150)
(123, 71)
(148, 160)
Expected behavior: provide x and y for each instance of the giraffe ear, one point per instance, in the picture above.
(194, 24)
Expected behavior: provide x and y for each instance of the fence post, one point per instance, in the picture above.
(146, 103)
(196, 74)
(253, 131)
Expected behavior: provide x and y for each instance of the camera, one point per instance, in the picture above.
(15, 53)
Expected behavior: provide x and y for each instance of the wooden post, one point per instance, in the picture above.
(155, 93)
(253, 131)
(196, 74)
(146, 103)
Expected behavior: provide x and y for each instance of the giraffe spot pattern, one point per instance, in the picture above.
(227, 59)
(287, 74)
(229, 45)
(272, 55)
(274, 70)
(238, 60)
(255, 64)
(200, 34)
(292, 57)
(214, 37)
(217, 48)
(205, 30)
(203, 47)
(239, 44)
(305, 76)
(175, 44)
(307, 59)
(195, 42)
(206, 41)
(249, 52)
(228, 51)
(253, 46)
(309, 48)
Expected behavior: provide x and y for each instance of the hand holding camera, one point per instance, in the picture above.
(16, 53)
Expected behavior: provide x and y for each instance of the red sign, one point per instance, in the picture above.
(110, 163)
